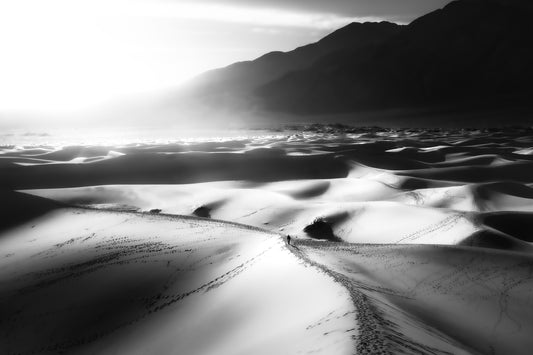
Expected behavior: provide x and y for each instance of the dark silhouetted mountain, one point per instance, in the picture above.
(471, 50)
(237, 82)
(471, 58)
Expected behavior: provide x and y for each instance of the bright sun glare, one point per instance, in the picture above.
(61, 55)
(64, 55)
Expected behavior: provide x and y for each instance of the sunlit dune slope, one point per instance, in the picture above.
(90, 282)
(362, 210)
(479, 298)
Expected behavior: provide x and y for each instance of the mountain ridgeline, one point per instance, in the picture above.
(240, 82)
(471, 52)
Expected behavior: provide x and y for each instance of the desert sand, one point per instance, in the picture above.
(108, 282)
(405, 241)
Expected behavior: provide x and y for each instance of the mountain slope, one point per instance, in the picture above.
(469, 60)
(470, 49)
(236, 82)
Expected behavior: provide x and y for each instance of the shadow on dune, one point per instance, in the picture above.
(516, 224)
(17, 208)
(314, 190)
(520, 171)
(495, 240)
(322, 228)
(202, 211)
(206, 210)
(154, 168)
(410, 183)
(486, 191)
(85, 308)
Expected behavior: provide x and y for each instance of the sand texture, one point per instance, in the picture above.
(403, 242)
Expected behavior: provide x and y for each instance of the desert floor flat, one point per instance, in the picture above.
(403, 241)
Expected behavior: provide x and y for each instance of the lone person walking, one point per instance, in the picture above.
(288, 239)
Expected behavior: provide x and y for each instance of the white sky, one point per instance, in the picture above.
(61, 55)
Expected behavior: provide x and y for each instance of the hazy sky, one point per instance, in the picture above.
(61, 55)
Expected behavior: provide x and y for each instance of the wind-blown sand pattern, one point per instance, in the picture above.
(406, 241)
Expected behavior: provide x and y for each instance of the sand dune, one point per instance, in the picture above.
(17, 208)
(502, 196)
(355, 208)
(515, 171)
(102, 280)
(475, 300)
(516, 224)
(448, 156)
(90, 281)
(494, 239)
(105, 282)
(262, 206)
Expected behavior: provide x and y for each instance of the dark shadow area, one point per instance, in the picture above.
(495, 240)
(202, 211)
(516, 224)
(314, 190)
(207, 209)
(466, 56)
(321, 229)
(519, 171)
(486, 191)
(78, 309)
(154, 168)
(17, 208)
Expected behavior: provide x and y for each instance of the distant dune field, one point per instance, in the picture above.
(404, 241)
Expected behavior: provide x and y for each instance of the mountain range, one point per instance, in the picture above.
(470, 54)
